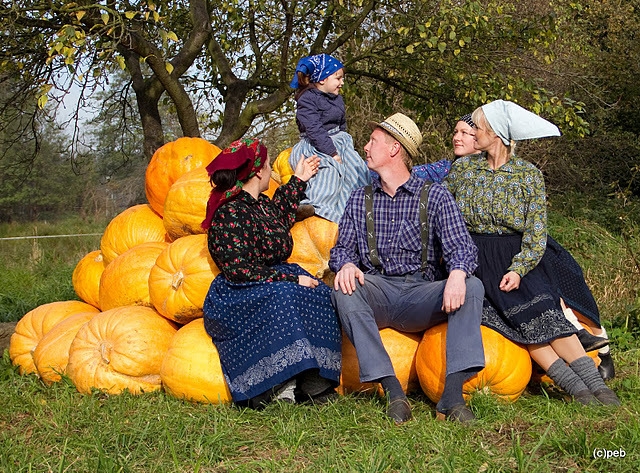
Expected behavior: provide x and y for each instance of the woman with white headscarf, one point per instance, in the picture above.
(503, 200)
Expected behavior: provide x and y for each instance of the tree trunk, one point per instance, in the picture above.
(151, 123)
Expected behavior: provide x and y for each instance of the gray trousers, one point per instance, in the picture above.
(409, 304)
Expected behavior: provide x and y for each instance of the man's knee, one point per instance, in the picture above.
(346, 303)
(337, 297)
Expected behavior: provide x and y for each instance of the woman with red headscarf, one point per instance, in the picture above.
(272, 323)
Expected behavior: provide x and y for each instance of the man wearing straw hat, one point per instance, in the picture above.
(404, 259)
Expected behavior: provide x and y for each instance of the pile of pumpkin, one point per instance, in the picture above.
(139, 326)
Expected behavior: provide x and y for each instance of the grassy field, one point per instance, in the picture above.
(38, 270)
(56, 429)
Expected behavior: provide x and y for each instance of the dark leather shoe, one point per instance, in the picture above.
(304, 211)
(399, 410)
(591, 342)
(606, 368)
(585, 397)
(607, 397)
(458, 413)
(325, 397)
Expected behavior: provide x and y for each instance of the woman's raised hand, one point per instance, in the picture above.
(307, 167)
(307, 281)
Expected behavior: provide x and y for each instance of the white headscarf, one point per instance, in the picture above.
(512, 122)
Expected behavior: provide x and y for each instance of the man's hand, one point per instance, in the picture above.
(510, 281)
(454, 291)
(346, 278)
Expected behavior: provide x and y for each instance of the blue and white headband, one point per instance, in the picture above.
(467, 119)
(318, 67)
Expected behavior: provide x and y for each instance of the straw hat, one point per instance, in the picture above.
(403, 129)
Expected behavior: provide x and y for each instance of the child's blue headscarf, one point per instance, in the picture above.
(317, 67)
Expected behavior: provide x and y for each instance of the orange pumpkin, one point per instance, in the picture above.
(273, 186)
(135, 225)
(180, 278)
(506, 373)
(186, 204)
(313, 239)
(120, 349)
(34, 325)
(282, 167)
(86, 277)
(191, 367)
(125, 281)
(400, 346)
(171, 161)
(52, 353)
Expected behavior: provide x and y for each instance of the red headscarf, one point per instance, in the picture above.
(247, 156)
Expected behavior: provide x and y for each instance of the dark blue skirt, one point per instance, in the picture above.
(267, 333)
(567, 278)
(530, 314)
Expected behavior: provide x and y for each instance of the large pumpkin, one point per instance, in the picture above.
(273, 186)
(191, 367)
(135, 225)
(506, 373)
(313, 239)
(120, 349)
(35, 324)
(186, 204)
(282, 167)
(125, 281)
(86, 277)
(52, 353)
(180, 278)
(400, 346)
(171, 161)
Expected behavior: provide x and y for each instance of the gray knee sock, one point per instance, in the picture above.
(566, 378)
(589, 374)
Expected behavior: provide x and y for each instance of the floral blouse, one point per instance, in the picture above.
(248, 236)
(511, 199)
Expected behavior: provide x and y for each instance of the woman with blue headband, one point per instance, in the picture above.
(321, 120)
(503, 200)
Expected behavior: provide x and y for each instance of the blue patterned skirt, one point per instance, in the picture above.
(530, 314)
(267, 333)
(329, 190)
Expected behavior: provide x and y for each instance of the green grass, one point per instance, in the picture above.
(56, 429)
(38, 270)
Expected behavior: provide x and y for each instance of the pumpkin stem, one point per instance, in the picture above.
(177, 280)
(105, 352)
